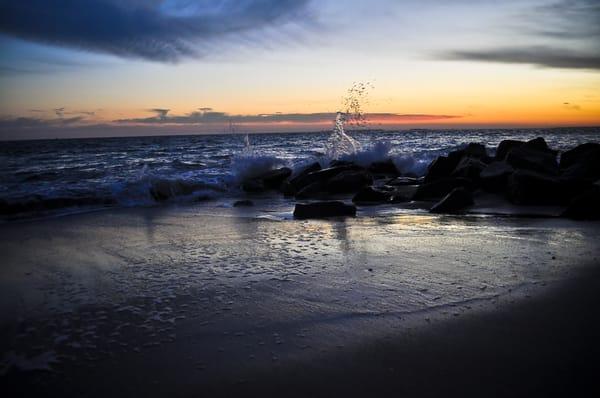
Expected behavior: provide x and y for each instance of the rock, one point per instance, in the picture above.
(253, 186)
(310, 169)
(581, 163)
(324, 210)
(440, 168)
(475, 150)
(532, 188)
(164, 189)
(387, 168)
(287, 189)
(506, 146)
(349, 181)
(403, 193)
(454, 202)
(272, 179)
(535, 156)
(313, 190)
(444, 166)
(302, 181)
(438, 189)
(585, 206)
(399, 181)
(494, 177)
(243, 203)
(469, 168)
(575, 155)
(370, 196)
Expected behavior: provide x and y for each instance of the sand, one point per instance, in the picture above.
(179, 302)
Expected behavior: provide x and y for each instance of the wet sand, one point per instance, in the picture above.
(176, 302)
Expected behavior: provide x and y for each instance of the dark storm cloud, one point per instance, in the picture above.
(571, 29)
(149, 29)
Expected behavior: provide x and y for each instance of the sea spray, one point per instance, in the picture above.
(248, 163)
(340, 144)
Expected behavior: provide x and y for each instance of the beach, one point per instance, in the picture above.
(187, 301)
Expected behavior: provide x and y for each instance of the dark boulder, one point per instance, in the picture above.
(585, 206)
(469, 168)
(338, 163)
(454, 202)
(164, 189)
(403, 193)
(581, 163)
(438, 189)
(253, 186)
(399, 181)
(349, 181)
(324, 210)
(475, 150)
(243, 203)
(302, 181)
(494, 177)
(444, 166)
(371, 196)
(387, 168)
(505, 147)
(287, 189)
(535, 156)
(575, 155)
(272, 179)
(532, 188)
(440, 168)
(314, 190)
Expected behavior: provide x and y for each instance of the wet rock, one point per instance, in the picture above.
(371, 196)
(474, 150)
(494, 177)
(581, 163)
(287, 189)
(506, 146)
(440, 168)
(399, 181)
(456, 201)
(164, 189)
(444, 166)
(575, 155)
(585, 206)
(323, 210)
(440, 188)
(272, 179)
(534, 156)
(532, 188)
(243, 203)
(386, 168)
(253, 186)
(314, 190)
(302, 181)
(349, 181)
(403, 193)
(469, 168)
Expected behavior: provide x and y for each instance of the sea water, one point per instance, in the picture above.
(53, 176)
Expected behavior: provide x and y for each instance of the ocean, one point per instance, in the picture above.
(50, 177)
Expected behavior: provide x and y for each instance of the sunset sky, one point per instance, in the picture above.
(74, 68)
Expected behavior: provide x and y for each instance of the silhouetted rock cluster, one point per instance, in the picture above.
(525, 173)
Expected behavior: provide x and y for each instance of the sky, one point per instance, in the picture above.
(82, 68)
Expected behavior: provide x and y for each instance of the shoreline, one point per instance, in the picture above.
(201, 302)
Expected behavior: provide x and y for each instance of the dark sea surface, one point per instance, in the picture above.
(52, 176)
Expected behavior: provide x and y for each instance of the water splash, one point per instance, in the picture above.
(340, 144)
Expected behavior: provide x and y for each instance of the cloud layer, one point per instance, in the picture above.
(570, 29)
(157, 30)
(208, 116)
